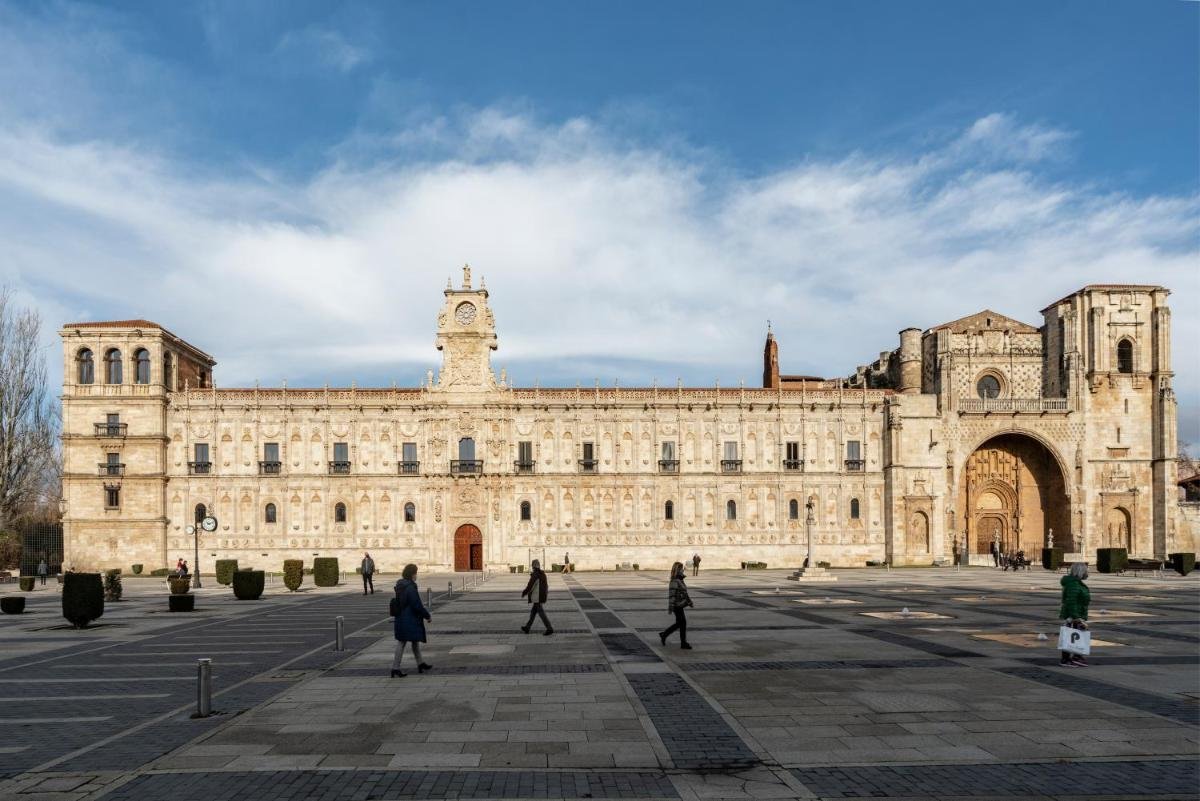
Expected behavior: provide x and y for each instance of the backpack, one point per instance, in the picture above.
(395, 606)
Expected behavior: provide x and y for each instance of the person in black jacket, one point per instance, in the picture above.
(537, 586)
(677, 600)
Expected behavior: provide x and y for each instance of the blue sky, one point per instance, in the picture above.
(642, 184)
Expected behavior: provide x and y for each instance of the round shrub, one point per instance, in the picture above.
(248, 584)
(82, 598)
(179, 586)
(137, 569)
(181, 603)
(112, 585)
(325, 571)
(225, 570)
(26, 583)
(160, 571)
(12, 604)
(293, 573)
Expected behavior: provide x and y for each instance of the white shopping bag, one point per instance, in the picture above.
(1074, 641)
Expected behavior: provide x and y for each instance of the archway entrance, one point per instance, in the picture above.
(468, 548)
(1012, 492)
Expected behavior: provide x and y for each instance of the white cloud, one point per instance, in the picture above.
(328, 47)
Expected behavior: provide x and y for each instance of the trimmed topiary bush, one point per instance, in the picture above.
(161, 571)
(180, 586)
(325, 571)
(1111, 560)
(26, 583)
(12, 604)
(248, 584)
(225, 570)
(82, 598)
(293, 573)
(137, 569)
(1183, 563)
(112, 585)
(1052, 558)
(181, 603)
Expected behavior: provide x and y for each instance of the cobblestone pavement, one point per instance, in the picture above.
(829, 691)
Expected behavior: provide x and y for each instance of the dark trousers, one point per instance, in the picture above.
(695, 568)
(679, 625)
(43, 575)
(536, 612)
(995, 560)
(368, 584)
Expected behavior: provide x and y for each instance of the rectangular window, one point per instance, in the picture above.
(731, 450)
(589, 451)
(668, 451)
(112, 497)
(525, 452)
(112, 464)
(341, 452)
(791, 456)
(201, 452)
(409, 452)
(113, 419)
(854, 450)
(270, 451)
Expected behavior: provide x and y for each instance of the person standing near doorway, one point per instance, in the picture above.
(695, 564)
(43, 569)
(995, 549)
(677, 600)
(409, 624)
(538, 586)
(368, 573)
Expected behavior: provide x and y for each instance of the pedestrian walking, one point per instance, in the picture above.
(695, 564)
(537, 586)
(183, 571)
(43, 569)
(677, 601)
(1074, 610)
(410, 616)
(567, 562)
(995, 550)
(368, 572)
(179, 566)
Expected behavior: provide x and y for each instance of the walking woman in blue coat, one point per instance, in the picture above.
(410, 616)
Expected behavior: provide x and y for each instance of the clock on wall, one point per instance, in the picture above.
(209, 523)
(465, 313)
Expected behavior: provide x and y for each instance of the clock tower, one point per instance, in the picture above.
(466, 336)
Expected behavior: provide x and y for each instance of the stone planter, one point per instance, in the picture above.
(181, 603)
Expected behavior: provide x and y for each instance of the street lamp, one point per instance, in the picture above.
(209, 523)
(809, 521)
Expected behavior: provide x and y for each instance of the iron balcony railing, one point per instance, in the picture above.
(855, 465)
(409, 468)
(466, 467)
(588, 465)
(199, 468)
(1029, 405)
(793, 464)
(111, 469)
(270, 468)
(731, 465)
(520, 466)
(668, 465)
(111, 429)
(339, 468)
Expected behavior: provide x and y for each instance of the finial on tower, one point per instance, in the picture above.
(466, 276)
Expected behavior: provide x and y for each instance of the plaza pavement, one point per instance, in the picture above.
(791, 691)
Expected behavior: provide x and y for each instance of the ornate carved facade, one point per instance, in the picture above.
(983, 428)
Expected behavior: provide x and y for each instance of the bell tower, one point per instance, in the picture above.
(466, 336)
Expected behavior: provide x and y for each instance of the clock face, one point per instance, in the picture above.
(209, 523)
(465, 313)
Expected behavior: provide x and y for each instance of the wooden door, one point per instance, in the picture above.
(468, 548)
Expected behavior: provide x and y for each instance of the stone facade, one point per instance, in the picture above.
(906, 460)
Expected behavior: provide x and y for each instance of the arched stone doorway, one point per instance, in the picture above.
(1013, 492)
(468, 548)
(1116, 529)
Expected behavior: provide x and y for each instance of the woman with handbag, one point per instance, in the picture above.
(410, 616)
(1074, 609)
(677, 600)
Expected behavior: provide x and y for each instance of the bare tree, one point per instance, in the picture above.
(27, 420)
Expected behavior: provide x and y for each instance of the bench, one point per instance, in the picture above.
(1144, 565)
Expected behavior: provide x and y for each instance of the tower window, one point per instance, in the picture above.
(141, 362)
(85, 367)
(112, 496)
(1124, 356)
(112, 367)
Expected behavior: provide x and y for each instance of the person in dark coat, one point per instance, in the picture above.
(535, 591)
(995, 549)
(410, 616)
(677, 600)
(1074, 610)
(695, 564)
(368, 572)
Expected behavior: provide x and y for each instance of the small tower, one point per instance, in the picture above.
(466, 336)
(770, 361)
(910, 361)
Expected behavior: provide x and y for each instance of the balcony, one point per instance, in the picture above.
(522, 467)
(793, 465)
(111, 429)
(199, 468)
(111, 469)
(466, 467)
(588, 465)
(409, 468)
(731, 465)
(1012, 405)
(269, 468)
(339, 468)
(668, 465)
(855, 465)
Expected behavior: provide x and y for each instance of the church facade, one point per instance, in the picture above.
(981, 430)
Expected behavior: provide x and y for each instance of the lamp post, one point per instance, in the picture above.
(195, 532)
(809, 522)
(209, 523)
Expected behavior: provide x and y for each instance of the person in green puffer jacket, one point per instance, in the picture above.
(1074, 609)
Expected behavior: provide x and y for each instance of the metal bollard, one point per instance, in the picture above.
(428, 596)
(203, 688)
(339, 627)
(449, 589)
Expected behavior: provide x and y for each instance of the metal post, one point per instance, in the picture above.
(196, 557)
(203, 688)
(339, 625)
(449, 589)
(429, 596)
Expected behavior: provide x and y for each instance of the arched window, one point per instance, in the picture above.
(410, 512)
(112, 367)
(339, 513)
(168, 379)
(1124, 356)
(669, 510)
(201, 513)
(731, 510)
(526, 511)
(85, 367)
(270, 515)
(141, 362)
(988, 387)
(793, 509)
(854, 511)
